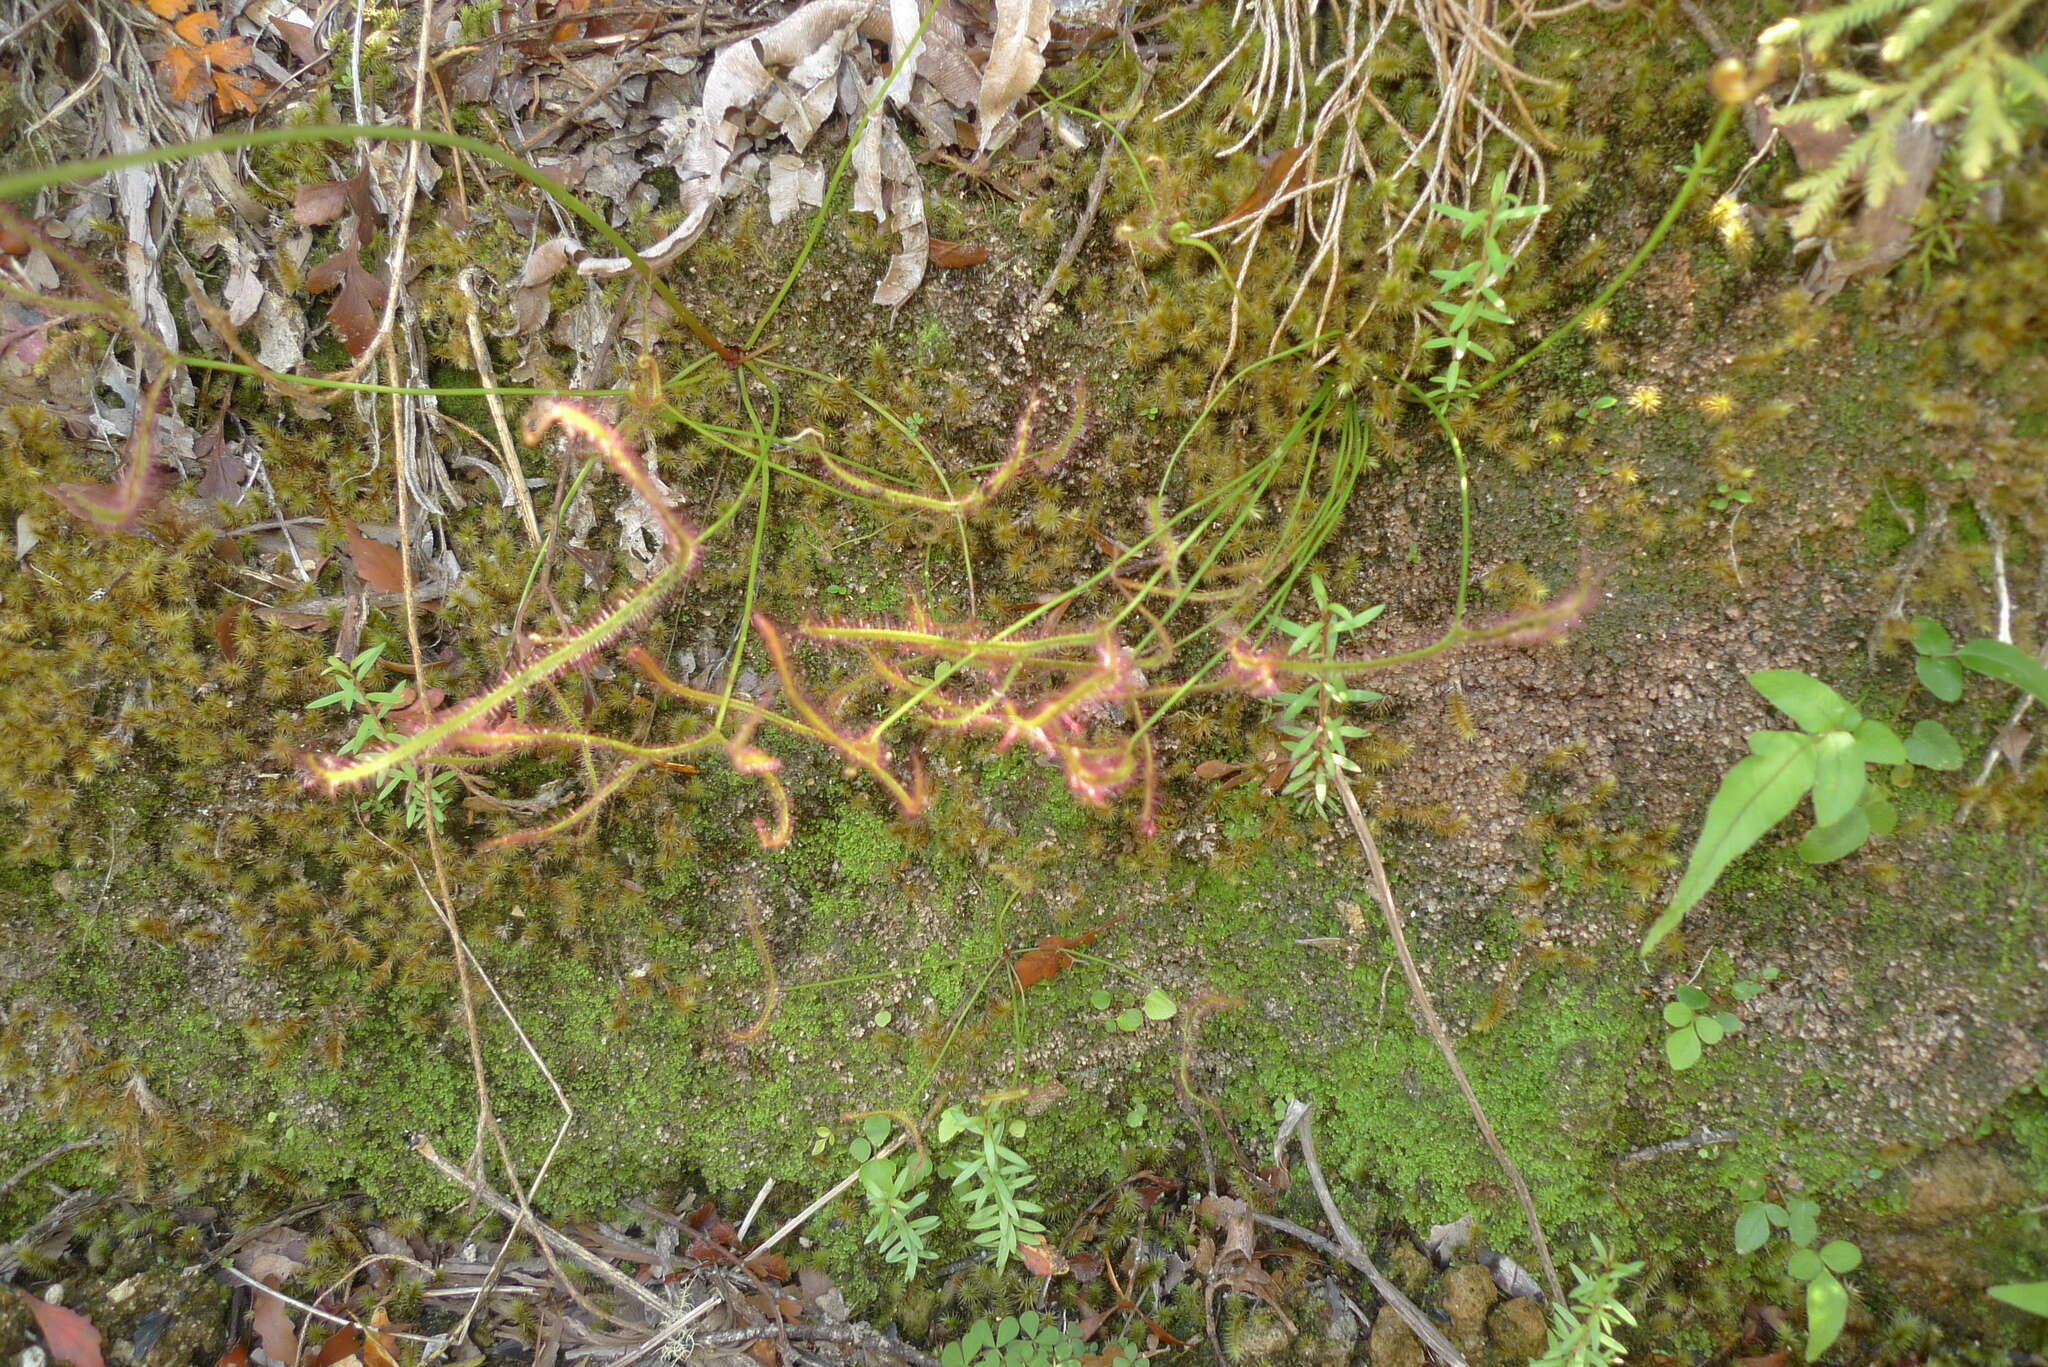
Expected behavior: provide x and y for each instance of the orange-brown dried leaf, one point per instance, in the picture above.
(194, 27)
(234, 93)
(1285, 172)
(376, 564)
(1043, 1259)
(1036, 966)
(956, 255)
(184, 76)
(167, 9)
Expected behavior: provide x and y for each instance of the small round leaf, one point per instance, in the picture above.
(1841, 1256)
(1709, 1030)
(1682, 1047)
(1159, 1006)
(1677, 1014)
(1805, 1264)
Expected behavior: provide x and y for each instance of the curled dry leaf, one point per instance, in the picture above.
(1016, 59)
(1043, 1259)
(358, 298)
(530, 301)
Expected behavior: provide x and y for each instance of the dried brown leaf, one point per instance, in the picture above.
(375, 563)
(1015, 60)
(955, 256)
(70, 1336)
(358, 298)
(271, 1319)
(1285, 172)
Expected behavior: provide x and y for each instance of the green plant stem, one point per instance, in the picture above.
(1715, 134)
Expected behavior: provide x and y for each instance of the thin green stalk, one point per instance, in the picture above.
(1715, 134)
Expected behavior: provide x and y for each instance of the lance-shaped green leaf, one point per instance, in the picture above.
(1806, 700)
(1837, 777)
(1827, 1310)
(1754, 796)
(2007, 664)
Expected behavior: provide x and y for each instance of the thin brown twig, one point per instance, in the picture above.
(48, 1158)
(1383, 893)
(547, 1234)
(1356, 1257)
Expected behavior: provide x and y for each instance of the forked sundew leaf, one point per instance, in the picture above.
(1806, 700)
(2007, 664)
(1838, 777)
(1754, 796)
(1827, 1310)
(1836, 841)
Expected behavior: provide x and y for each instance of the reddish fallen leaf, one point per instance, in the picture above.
(224, 629)
(344, 1342)
(955, 256)
(1036, 966)
(305, 47)
(1050, 958)
(70, 1336)
(359, 298)
(271, 1319)
(379, 1349)
(319, 203)
(1210, 770)
(769, 1267)
(116, 507)
(1043, 1259)
(376, 564)
(1285, 172)
(237, 1356)
(1085, 1267)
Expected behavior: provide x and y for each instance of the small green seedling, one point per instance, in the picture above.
(1312, 718)
(1827, 1300)
(1604, 402)
(426, 797)
(1155, 1005)
(1026, 1340)
(1821, 1269)
(1727, 494)
(892, 1185)
(1695, 1024)
(1939, 664)
(990, 1179)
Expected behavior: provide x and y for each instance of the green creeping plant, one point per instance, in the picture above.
(1828, 757)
